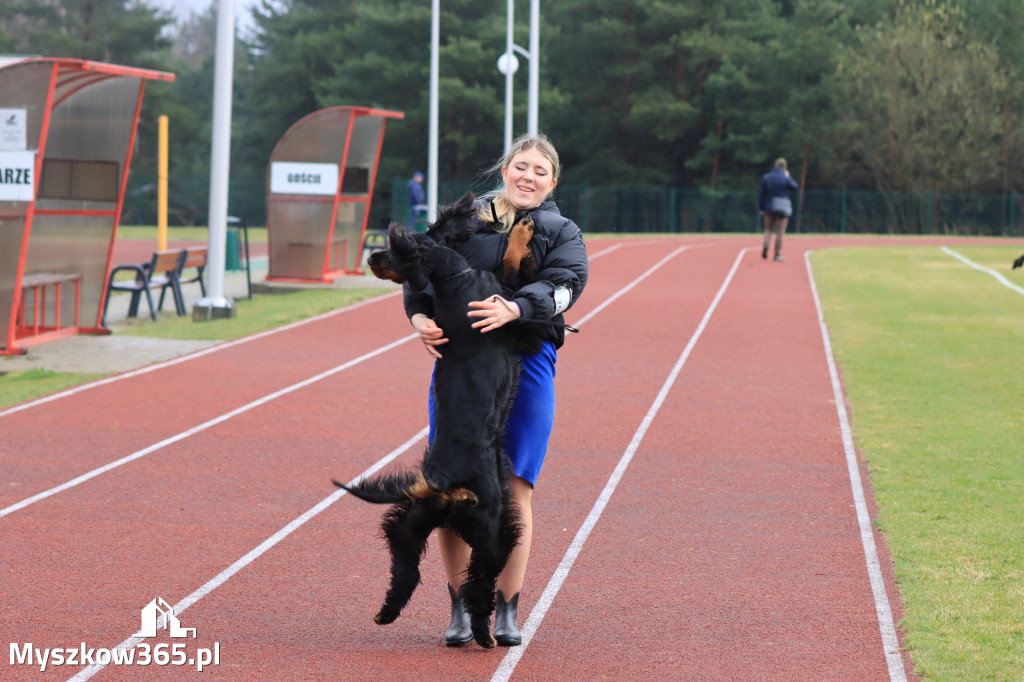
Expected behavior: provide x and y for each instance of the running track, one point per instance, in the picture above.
(698, 517)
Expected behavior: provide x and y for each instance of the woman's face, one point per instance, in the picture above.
(528, 179)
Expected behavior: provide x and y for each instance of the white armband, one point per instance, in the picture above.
(563, 297)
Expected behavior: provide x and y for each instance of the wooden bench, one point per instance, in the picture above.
(195, 258)
(37, 329)
(161, 272)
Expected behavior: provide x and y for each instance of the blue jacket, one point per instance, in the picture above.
(416, 193)
(774, 183)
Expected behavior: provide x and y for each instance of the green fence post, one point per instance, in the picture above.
(672, 209)
(842, 214)
(586, 207)
(928, 213)
(1013, 210)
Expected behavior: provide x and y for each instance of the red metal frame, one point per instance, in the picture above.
(79, 74)
(99, 328)
(328, 275)
(373, 183)
(10, 348)
(331, 275)
(39, 331)
(64, 211)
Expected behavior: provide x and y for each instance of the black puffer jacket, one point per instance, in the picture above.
(558, 247)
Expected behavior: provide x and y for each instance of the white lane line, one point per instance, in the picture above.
(224, 575)
(191, 356)
(224, 346)
(508, 664)
(604, 252)
(245, 408)
(886, 627)
(254, 554)
(608, 301)
(981, 268)
(202, 427)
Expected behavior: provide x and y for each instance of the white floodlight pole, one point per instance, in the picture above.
(509, 71)
(435, 43)
(534, 86)
(220, 160)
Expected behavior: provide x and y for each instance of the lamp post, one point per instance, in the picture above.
(508, 64)
(435, 40)
(534, 83)
(215, 304)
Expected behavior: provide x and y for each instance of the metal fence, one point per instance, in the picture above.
(642, 209)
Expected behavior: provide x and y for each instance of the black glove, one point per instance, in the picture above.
(1018, 263)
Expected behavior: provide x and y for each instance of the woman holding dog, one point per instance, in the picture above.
(529, 173)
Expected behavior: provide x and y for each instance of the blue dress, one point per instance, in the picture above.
(531, 417)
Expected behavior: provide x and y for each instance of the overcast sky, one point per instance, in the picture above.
(185, 7)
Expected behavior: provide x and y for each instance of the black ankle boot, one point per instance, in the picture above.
(505, 629)
(458, 632)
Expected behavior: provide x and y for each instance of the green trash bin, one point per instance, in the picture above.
(231, 260)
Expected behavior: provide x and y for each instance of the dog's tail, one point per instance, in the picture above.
(403, 486)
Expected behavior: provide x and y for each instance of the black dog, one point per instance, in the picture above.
(463, 482)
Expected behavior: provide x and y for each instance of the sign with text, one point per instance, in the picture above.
(303, 178)
(13, 129)
(17, 176)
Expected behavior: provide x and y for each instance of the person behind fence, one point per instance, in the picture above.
(775, 205)
(416, 198)
(529, 172)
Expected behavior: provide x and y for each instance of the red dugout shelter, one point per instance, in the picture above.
(319, 186)
(67, 131)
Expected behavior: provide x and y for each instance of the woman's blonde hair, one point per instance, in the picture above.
(503, 213)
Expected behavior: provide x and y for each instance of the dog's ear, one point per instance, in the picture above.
(382, 268)
(404, 246)
(454, 222)
(406, 257)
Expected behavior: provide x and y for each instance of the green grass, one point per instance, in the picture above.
(16, 387)
(252, 316)
(200, 234)
(930, 353)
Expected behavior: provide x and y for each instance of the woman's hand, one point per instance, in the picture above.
(494, 312)
(430, 334)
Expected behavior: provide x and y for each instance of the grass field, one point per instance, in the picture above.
(199, 234)
(929, 351)
(252, 316)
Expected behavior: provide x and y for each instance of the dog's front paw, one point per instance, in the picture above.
(522, 233)
(518, 245)
(384, 617)
(1018, 263)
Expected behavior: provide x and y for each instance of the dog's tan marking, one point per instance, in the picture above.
(518, 245)
(456, 495)
(422, 488)
(381, 272)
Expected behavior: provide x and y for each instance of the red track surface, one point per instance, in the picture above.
(135, 251)
(729, 549)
